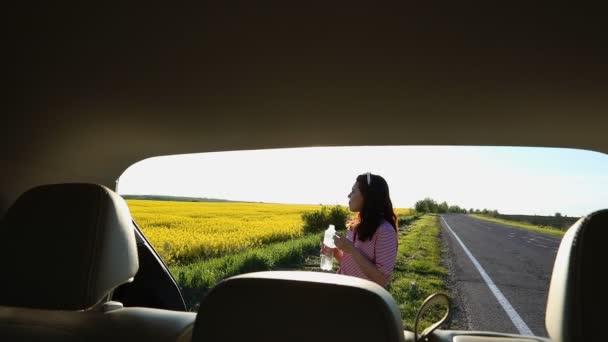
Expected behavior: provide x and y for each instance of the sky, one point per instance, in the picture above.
(512, 180)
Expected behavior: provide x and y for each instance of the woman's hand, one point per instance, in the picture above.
(344, 244)
(327, 250)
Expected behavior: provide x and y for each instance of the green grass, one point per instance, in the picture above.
(197, 278)
(419, 271)
(539, 229)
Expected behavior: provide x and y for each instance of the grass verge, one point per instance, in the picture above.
(419, 271)
(197, 278)
(539, 229)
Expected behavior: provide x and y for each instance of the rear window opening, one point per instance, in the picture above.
(214, 215)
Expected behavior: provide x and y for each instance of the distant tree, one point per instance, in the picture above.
(454, 209)
(443, 208)
(558, 214)
(428, 205)
(422, 207)
(432, 205)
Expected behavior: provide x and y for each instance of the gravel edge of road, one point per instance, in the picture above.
(460, 319)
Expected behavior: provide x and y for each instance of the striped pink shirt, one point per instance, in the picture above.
(381, 250)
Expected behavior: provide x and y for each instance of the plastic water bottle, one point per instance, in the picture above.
(327, 259)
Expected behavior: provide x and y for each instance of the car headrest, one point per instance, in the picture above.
(297, 306)
(65, 247)
(576, 304)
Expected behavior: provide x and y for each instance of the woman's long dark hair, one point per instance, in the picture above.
(377, 206)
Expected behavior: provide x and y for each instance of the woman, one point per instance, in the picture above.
(369, 249)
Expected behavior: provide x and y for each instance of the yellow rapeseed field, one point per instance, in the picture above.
(182, 231)
(403, 211)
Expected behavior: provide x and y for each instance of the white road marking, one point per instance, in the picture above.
(519, 323)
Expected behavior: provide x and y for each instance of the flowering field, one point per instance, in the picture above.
(183, 232)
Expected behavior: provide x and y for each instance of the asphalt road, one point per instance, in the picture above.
(518, 262)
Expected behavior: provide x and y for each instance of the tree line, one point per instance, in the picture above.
(429, 205)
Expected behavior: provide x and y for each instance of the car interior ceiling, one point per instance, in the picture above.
(91, 92)
(88, 99)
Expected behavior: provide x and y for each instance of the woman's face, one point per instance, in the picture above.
(355, 197)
